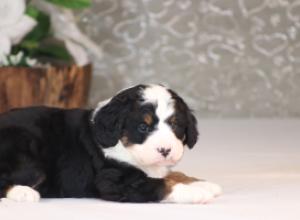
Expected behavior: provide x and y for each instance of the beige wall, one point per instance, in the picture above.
(228, 58)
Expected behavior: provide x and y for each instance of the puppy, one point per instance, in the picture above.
(120, 151)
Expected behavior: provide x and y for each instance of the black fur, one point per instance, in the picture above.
(109, 121)
(58, 152)
(134, 119)
(187, 123)
(53, 151)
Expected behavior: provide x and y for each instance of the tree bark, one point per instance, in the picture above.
(65, 87)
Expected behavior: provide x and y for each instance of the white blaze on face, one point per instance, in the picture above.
(160, 96)
(162, 137)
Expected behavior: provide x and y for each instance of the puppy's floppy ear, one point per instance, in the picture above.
(108, 121)
(191, 132)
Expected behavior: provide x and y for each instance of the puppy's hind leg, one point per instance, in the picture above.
(24, 184)
(5, 185)
(20, 169)
(21, 193)
(21, 185)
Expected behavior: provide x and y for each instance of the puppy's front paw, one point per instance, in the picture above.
(197, 192)
(20, 193)
(213, 188)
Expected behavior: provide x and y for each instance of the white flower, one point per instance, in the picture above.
(31, 62)
(65, 28)
(16, 59)
(14, 24)
(11, 11)
(3, 60)
(78, 53)
(5, 45)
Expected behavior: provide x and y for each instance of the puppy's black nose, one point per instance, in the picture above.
(164, 151)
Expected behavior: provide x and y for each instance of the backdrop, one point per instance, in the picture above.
(228, 58)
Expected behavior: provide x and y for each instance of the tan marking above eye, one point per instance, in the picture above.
(148, 119)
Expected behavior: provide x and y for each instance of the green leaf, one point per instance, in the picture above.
(54, 51)
(73, 4)
(29, 44)
(32, 11)
(42, 29)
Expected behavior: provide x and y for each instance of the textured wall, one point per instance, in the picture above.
(228, 58)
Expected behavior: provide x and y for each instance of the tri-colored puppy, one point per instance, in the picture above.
(120, 151)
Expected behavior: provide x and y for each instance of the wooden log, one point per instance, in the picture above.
(65, 87)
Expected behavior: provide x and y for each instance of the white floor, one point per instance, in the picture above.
(256, 161)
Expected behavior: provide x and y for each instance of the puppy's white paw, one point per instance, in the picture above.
(197, 192)
(20, 193)
(213, 188)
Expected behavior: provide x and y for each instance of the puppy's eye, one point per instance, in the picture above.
(143, 128)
